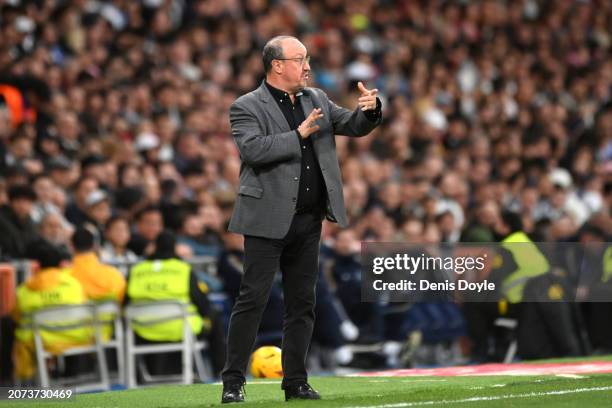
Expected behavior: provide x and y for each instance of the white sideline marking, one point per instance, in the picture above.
(252, 383)
(492, 398)
(571, 376)
(264, 382)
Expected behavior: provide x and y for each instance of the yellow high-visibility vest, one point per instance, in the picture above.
(66, 290)
(530, 262)
(167, 279)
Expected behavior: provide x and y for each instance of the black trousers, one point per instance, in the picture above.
(297, 257)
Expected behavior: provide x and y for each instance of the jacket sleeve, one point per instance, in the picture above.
(350, 123)
(257, 149)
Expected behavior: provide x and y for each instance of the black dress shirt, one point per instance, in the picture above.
(311, 193)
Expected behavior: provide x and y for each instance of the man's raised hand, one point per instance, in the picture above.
(367, 100)
(308, 126)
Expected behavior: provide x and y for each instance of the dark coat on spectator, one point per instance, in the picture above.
(14, 234)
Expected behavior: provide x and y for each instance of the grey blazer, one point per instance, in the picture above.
(271, 159)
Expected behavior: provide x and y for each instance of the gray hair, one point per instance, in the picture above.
(273, 50)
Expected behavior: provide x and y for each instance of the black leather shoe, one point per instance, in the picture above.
(233, 392)
(301, 391)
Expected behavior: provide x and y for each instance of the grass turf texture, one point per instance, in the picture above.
(505, 391)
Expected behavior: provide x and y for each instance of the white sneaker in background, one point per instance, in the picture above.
(349, 330)
(343, 355)
(392, 349)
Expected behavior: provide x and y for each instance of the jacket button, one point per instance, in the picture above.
(295, 178)
(294, 199)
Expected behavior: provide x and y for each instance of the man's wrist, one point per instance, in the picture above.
(374, 114)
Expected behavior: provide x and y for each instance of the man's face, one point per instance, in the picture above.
(346, 243)
(118, 233)
(22, 207)
(189, 146)
(294, 69)
(21, 148)
(413, 231)
(100, 212)
(193, 226)
(64, 178)
(85, 188)
(96, 171)
(150, 225)
(52, 229)
(44, 189)
(210, 215)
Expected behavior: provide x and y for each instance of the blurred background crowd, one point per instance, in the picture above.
(114, 115)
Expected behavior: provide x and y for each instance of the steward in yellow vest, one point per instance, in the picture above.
(519, 260)
(166, 277)
(49, 286)
(529, 260)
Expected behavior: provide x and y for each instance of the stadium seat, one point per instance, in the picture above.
(61, 319)
(511, 325)
(150, 313)
(109, 314)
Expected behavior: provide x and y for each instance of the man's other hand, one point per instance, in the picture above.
(367, 100)
(308, 126)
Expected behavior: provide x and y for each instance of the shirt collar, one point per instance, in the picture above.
(277, 94)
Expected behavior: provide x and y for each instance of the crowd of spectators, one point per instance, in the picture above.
(115, 114)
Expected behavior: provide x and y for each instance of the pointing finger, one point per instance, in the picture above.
(362, 88)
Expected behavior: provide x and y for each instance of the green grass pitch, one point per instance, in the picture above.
(569, 391)
(491, 391)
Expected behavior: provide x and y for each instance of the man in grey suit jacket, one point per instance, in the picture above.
(289, 182)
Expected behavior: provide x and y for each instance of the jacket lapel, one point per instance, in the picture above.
(272, 108)
(306, 102)
(307, 107)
